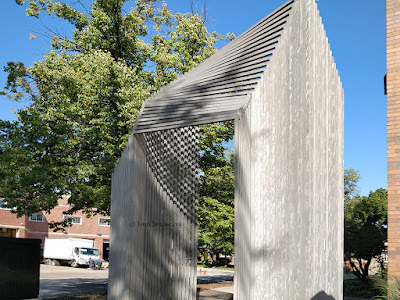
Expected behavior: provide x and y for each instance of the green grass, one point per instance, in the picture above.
(356, 288)
(391, 289)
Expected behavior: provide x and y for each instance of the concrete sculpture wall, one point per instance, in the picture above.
(278, 80)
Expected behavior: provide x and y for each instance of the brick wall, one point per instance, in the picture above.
(393, 133)
(88, 229)
(9, 220)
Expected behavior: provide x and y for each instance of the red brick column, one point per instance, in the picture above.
(393, 133)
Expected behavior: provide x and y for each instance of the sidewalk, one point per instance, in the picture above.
(216, 294)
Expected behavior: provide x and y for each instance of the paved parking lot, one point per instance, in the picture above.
(58, 272)
(58, 281)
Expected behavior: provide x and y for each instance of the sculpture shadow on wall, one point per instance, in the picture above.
(322, 296)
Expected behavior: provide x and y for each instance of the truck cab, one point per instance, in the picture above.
(82, 255)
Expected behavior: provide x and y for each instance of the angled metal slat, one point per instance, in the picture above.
(212, 86)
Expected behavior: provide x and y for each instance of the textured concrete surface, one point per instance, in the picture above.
(289, 205)
(289, 169)
(220, 86)
(154, 196)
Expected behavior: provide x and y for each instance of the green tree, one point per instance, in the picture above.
(351, 178)
(365, 223)
(217, 188)
(86, 93)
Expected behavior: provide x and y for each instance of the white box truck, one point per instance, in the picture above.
(71, 251)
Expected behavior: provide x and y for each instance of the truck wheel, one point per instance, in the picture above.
(74, 264)
(54, 262)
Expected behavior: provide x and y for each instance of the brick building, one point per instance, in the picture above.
(36, 226)
(393, 132)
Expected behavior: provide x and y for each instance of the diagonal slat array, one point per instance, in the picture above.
(217, 88)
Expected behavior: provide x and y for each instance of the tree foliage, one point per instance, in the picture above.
(351, 178)
(217, 188)
(85, 96)
(365, 230)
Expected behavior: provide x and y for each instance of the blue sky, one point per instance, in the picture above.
(356, 33)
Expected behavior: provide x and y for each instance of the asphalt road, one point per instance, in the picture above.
(213, 275)
(58, 281)
(50, 288)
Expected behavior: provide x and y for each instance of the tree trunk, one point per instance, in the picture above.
(365, 270)
(356, 271)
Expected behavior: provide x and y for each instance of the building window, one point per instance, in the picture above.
(36, 218)
(104, 222)
(73, 220)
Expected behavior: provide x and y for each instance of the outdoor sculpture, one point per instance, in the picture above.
(279, 82)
